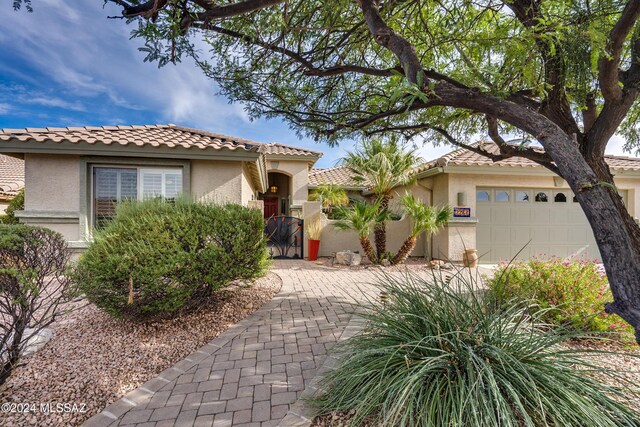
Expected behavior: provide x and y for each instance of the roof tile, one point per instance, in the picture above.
(11, 175)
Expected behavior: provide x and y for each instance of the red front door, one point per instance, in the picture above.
(270, 206)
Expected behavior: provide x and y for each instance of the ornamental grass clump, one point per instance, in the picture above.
(442, 355)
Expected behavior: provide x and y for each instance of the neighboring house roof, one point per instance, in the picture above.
(464, 157)
(340, 175)
(11, 176)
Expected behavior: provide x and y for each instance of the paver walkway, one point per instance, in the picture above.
(249, 375)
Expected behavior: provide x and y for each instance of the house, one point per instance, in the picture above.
(11, 179)
(512, 207)
(75, 176)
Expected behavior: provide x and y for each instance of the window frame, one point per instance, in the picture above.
(139, 182)
(87, 163)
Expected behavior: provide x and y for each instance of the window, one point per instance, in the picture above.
(482, 196)
(560, 198)
(541, 197)
(522, 196)
(502, 196)
(115, 184)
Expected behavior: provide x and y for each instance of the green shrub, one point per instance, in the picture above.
(567, 292)
(33, 288)
(156, 258)
(440, 357)
(16, 204)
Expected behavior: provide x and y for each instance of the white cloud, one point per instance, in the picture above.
(4, 108)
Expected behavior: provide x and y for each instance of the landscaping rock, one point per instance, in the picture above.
(348, 258)
(37, 341)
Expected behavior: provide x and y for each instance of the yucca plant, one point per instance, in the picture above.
(425, 218)
(361, 218)
(443, 355)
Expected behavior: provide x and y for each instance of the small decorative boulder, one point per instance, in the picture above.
(348, 258)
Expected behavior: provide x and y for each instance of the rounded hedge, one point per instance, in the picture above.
(156, 258)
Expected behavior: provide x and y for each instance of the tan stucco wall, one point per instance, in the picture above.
(248, 192)
(217, 181)
(3, 206)
(299, 173)
(53, 183)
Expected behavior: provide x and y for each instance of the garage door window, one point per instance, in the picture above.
(522, 196)
(560, 198)
(482, 196)
(542, 197)
(502, 196)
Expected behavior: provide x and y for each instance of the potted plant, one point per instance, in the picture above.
(314, 230)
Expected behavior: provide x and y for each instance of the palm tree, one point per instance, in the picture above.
(361, 218)
(382, 166)
(425, 218)
(331, 195)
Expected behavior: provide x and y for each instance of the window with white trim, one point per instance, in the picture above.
(115, 184)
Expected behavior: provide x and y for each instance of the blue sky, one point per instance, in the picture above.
(71, 66)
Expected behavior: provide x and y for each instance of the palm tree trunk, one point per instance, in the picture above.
(380, 230)
(405, 250)
(368, 249)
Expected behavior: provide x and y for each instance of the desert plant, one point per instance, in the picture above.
(156, 258)
(33, 287)
(438, 354)
(314, 227)
(361, 218)
(16, 204)
(382, 165)
(331, 195)
(568, 292)
(425, 218)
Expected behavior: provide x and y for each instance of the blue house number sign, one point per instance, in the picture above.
(461, 212)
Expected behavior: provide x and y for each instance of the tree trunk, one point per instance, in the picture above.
(611, 225)
(380, 230)
(368, 249)
(405, 250)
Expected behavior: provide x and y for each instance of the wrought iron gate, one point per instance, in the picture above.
(285, 236)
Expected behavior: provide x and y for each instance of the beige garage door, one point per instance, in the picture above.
(549, 219)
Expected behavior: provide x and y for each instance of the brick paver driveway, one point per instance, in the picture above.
(249, 375)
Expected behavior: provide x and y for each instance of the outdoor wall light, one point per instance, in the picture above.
(273, 189)
(462, 199)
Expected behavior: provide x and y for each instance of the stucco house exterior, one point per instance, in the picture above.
(74, 177)
(11, 179)
(509, 207)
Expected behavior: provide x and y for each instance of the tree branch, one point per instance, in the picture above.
(608, 66)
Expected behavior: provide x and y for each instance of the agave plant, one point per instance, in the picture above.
(442, 355)
(382, 166)
(361, 218)
(425, 218)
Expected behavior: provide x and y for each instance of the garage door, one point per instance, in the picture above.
(549, 219)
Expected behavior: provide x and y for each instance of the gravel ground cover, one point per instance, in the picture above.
(93, 359)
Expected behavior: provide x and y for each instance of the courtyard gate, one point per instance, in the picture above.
(284, 237)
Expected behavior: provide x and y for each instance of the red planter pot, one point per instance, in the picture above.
(314, 246)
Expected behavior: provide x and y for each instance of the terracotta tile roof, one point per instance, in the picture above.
(11, 176)
(169, 135)
(287, 150)
(463, 157)
(339, 175)
(154, 135)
